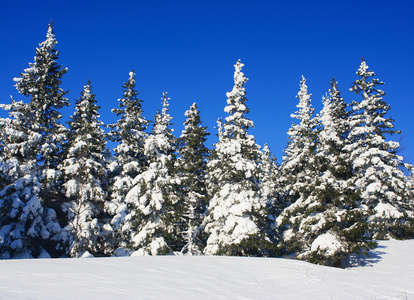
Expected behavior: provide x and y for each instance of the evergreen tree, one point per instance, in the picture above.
(377, 168)
(5, 162)
(84, 176)
(299, 166)
(236, 212)
(326, 225)
(270, 190)
(332, 137)
(27, 227)
(41, 82)
(410, 181)
(32, 148)
(153, 197)
(269, 176)
(191, 166)
(129, 132)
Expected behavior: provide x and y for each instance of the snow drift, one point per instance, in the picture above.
(387, 274)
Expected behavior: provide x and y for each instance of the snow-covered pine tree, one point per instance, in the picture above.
(153, 197)
(41, 82)
(236, 213)
(332, 137)
(410, 181)
(326, 226)
(299, 167)
(269, 176)
(27, 227)
(4, 164)
(269, 173)
(377, 168)
(32, 150)
(191, 167)
(84, 177)
(298, 171)
(130, 132)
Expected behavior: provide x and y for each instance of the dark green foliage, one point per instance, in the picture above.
(191, 168)
(154, 197)
(41, 83)
(85, 177)
(129, 130)
(255, 246)
(299, 167)
(31, 150)
(329, 207)
(376, 168)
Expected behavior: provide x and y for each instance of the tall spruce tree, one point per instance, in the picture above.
(377, 168)
(191, 168)
(326, 225)
(299, 162)
(41, 82)
(130, 132)
(84, 177)
(332, 137)
(299, 168)
(8, 164)
(269, 177)
(27, 227)
(154, 219)
(270, 190)
(236, 212)
(32, 147)
(410, 181)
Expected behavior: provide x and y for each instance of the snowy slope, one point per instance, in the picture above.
(388, 274)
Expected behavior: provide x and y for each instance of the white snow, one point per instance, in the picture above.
(327, 241)
(386, 209)
(388, 274)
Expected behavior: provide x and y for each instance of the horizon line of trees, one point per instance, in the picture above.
(341, 184)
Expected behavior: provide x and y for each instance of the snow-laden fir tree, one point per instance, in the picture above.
(410, 181)
(191, 168)
(32, 144)
(130, 132)
(299, 166)
(269, 173)
(377, 168)
(153, 197)
(41, 83)
(4, 163)
(269, 176)
(85, 177)
(299, 162)
(340, 216)
(410, 187)
(27, 227)
(332, 137)
(236, 213)
(326, 225)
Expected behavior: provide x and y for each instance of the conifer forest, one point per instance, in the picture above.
(340, 187)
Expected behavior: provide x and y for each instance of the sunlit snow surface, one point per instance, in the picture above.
(388, 274)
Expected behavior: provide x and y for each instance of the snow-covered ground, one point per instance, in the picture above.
(388, 274)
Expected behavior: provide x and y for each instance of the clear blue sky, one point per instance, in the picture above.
(188, 48)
